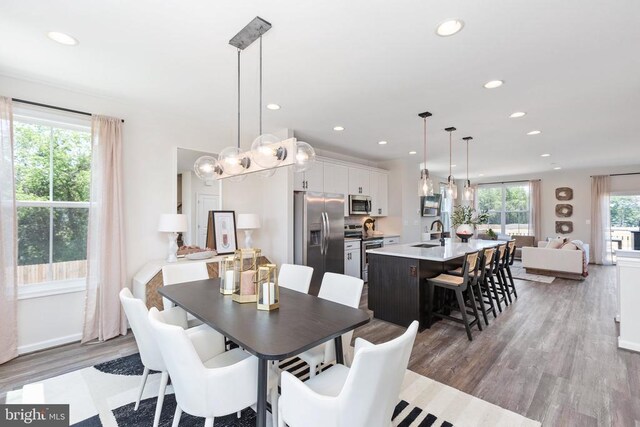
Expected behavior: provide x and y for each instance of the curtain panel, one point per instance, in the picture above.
(106, 275)
(535, 208)
(8, 238)
(600, 220)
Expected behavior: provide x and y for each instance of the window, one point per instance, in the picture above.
(52, 173)
(508, 208)
(625, 218)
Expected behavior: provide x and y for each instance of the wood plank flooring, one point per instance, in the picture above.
(552, 356)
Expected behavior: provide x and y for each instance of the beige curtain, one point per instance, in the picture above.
(600, 221)
(535, 207)
(104, 317)
(8, 238)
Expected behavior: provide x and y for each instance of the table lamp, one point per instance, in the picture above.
(172, 224)
(248, 223)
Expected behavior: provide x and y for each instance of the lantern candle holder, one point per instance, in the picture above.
(227, 276)
(267, 287)
(245, 275)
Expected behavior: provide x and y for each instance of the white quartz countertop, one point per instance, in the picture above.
(433, 251)
(628, 254)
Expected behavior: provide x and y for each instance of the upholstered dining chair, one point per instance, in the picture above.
(213, 386)
(180, 273)
(363, 395)
(205, 340)
(295, 277)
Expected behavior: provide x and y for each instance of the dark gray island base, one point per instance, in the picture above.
(398, 292)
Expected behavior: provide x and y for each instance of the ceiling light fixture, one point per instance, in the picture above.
(452, 188)
(534, 132)
(338, 128)
(449, 27)
(517, 115)
(557, 168)
(426, 185)
(382, 142)
(412, 152)
(468, 189)
(480, 174)
(493, 84)
(267, 151)
(545, 155)
(62, 38)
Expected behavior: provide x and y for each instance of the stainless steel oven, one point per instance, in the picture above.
(359, 205)
(368, 244)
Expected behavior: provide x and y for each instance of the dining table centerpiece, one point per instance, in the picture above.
(245, 274)
(465, 219)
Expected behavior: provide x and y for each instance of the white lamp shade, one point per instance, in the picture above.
(248, 221)
(173, 223)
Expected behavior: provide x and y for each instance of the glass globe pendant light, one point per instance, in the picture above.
(305, 156)
(467, 194)
(426, 185)
(206, 168)
(452, 188)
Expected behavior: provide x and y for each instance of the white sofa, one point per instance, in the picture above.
(554, 262)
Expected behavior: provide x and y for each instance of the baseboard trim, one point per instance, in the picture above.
(628, 345)
(30, 348)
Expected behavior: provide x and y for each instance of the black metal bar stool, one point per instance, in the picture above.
(496, 271)
(480, 286)
(511, 254)
(459, 284)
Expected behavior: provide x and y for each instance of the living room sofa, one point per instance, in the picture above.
(554, 262)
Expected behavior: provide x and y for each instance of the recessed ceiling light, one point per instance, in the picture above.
(557, 168)
(273, 107)
(449, 27)
(382, 142)
(493, 84)
(62, 38)
(453, 166)
(534, 132)
(480, 174)
(412, 152)
(545, 155)
(338, 128)
(517, 114)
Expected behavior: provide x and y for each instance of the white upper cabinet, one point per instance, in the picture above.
(336, 180)
(359, 181)
(310, 180)
(379, 193)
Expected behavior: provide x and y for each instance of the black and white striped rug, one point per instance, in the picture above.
(104, 396)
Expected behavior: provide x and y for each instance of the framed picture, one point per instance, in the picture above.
(221, 232)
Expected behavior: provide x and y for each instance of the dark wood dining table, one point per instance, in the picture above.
(302, 322)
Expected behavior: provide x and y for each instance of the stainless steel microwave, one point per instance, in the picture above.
(359, 205)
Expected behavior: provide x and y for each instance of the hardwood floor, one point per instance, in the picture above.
(552, 356)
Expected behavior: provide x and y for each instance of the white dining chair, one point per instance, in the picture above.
(180, 273)
(225, 383)
(207, 342)
(363, 395)
(346, 290)
(295, 277)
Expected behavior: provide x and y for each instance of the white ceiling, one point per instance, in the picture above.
(368, 65)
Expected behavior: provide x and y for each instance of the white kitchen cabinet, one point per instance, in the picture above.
(359, 181)
(379, 183)
(391, 240)
(336, 180)
(310, 180)
(352, 258)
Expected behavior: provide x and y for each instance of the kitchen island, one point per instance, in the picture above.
(397, 276)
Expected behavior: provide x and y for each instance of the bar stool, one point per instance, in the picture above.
(494, 273)
(507, 267)
(502, 276)
(458, 284)
(480, 285)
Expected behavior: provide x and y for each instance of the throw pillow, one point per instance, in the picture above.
(555, 244)
(569, 247)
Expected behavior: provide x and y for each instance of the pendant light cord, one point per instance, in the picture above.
(450, 155)
(238, 98)
(260, 106)
(425, 143)
(467, 161)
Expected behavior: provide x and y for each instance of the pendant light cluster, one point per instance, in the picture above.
(267, 152)
(451, 190)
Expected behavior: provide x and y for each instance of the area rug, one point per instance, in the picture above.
(104, 396)
(519, 272)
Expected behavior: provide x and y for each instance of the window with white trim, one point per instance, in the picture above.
(52, 160)
(508, 208)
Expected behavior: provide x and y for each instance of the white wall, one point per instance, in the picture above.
(150, 139)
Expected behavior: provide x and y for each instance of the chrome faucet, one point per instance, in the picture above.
(437, 221)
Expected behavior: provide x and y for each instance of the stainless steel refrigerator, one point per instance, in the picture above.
(319, 234)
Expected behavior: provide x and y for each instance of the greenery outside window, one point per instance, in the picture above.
(53, 173)
(507, 206)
